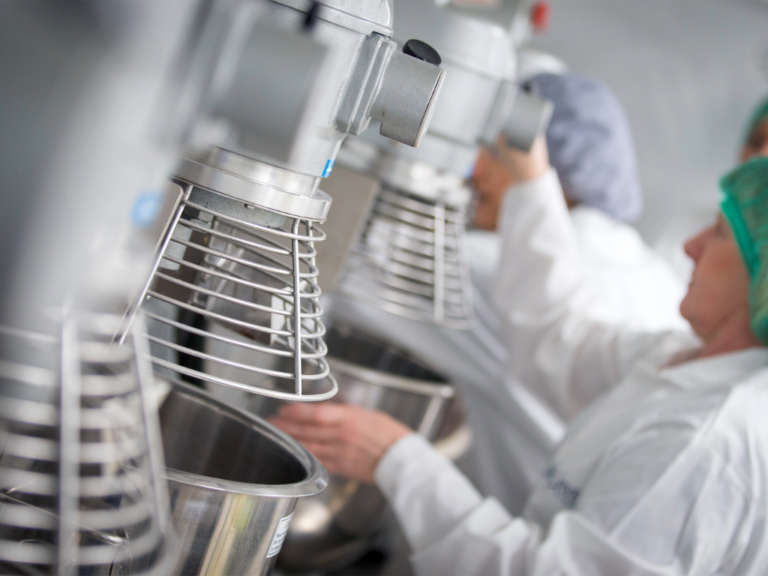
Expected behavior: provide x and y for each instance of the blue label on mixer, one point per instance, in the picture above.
(328, 168)
(146, 208)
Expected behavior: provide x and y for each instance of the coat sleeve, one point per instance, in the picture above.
(452, 530)
(556, 346)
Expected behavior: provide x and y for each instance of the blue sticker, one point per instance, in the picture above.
(146, 208)
(328, 168)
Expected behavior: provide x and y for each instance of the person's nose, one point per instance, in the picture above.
(694, 245)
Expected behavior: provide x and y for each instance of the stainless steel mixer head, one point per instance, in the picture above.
(79, 473)
(363, 77)
(410, 260)
(480, 99)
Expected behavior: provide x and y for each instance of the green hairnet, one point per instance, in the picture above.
(760, 114)
(745, 206)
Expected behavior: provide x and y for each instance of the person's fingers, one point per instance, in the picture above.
(333, 456)
(299, 412)
(322, 449)
(325, 451)
(325, 413)
(342, 464)
(300, 430)
(328, 460)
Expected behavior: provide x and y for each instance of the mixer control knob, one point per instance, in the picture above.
(422, 51)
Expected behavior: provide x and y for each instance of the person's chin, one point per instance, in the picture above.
(686, 306)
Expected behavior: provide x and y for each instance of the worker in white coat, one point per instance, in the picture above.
(664, 473)
(591, 148)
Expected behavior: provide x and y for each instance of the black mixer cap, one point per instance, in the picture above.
(311, 17)
(422, 51)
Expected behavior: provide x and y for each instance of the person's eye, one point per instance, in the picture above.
(757, 143)
(719, 228)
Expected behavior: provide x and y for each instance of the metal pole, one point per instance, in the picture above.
(297, 306)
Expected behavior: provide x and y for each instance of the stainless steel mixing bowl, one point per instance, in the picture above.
(233, 481)
(334, 528)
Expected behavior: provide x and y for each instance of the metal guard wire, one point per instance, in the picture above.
(258, 282)
(411, 261)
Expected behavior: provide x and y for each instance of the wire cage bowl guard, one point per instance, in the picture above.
(232, 277)
(411, 261)
(79, 471)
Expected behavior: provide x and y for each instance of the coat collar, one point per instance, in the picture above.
(716, 371)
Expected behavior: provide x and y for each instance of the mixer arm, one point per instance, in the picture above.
(518, 116)
(375, 90)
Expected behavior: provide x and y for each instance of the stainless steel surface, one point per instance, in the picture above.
(375, 91)
(528, 119)
(410, 259)
(363, 17)
(267, 84)
(233, 481)
(251, 271)
(79, 471)
(518, 116)
(363, 81)
(479, 60)
(334, 528)
(353, 194)
(263, 185)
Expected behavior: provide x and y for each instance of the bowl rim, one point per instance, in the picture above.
(314, 483)
(385, 380)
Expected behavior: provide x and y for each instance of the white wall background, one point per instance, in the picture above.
(688, 72)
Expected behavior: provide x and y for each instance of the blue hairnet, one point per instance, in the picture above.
(590, 144)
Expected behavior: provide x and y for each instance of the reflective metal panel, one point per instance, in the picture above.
(233, 481)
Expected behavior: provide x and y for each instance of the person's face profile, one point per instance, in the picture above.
(719, 282)
(490, 180)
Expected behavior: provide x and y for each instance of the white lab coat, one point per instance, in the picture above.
(515, 432)
(665, 474)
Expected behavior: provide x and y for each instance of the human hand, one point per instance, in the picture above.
(348, 440)
(496, 170)
(490, 178)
